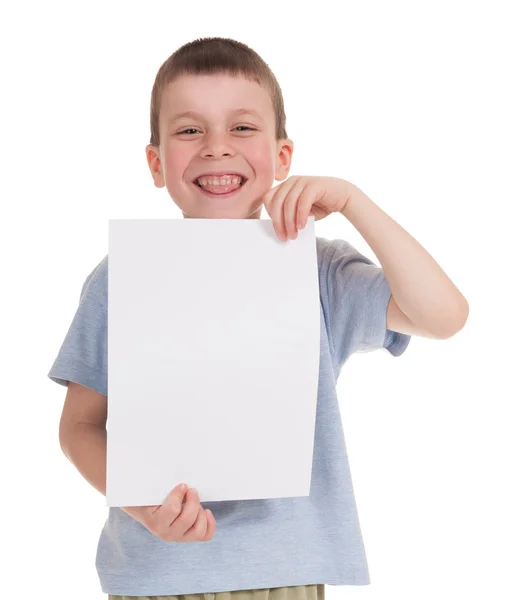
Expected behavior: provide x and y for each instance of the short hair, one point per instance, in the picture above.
(216, 55)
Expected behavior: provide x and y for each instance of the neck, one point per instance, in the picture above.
(255, 215)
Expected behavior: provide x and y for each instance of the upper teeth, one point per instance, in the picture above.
(224, 180)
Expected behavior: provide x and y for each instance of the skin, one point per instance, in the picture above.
(213, 143)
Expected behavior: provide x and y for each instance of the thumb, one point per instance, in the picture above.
(174, 499)
(178, 494)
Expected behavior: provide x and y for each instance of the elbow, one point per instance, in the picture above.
(63, 439)
(65, 436)
(455, 322)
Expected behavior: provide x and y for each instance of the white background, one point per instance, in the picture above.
(405, 100)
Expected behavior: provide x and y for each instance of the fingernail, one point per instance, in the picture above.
(299, 225)
(184, 487)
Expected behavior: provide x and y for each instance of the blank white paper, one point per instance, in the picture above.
(213, 359)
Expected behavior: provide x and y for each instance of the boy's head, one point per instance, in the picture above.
(216, 108)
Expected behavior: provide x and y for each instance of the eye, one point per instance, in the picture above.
(190, 129)
(187, 130)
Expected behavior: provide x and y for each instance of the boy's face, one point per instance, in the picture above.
(230, 131)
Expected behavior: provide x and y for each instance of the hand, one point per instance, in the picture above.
(171, 523)
(291, 202)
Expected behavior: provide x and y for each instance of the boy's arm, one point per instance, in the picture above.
(83, 436)
(83, 439)
(425, 300)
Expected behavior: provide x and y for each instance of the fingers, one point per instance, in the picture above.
(188, 515)
(273, 201)
(171, 508)
(211, 526)
(194, 523)
(290, 208)
(288, 205)
(199, 529)
(304, 205)
(173, 523)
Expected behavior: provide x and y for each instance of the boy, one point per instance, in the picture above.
(218, 141)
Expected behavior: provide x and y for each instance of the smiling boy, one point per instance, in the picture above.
(209, 126)
(218, 141)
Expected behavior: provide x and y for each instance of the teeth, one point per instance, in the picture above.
(224, 180)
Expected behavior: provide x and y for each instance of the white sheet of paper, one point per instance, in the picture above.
(213, 359)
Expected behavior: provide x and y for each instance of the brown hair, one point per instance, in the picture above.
(216, 55)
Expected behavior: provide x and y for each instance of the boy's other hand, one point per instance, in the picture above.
(290, 203)
(173, 523)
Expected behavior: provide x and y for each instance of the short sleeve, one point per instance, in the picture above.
(354, 295)
(82, 357)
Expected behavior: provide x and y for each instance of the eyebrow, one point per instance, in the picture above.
(237, 111)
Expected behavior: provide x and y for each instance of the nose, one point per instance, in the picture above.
(216, 145)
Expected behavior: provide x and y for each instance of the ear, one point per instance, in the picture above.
(283, 159)
(155, 165)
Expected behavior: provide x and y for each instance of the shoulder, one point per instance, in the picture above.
(96, 282)
(328, 250)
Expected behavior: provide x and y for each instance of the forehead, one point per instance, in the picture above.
(214, 96)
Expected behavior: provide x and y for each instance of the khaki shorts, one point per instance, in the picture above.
(299, 592)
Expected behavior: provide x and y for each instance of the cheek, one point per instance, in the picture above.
(261, 156)
(175, 162)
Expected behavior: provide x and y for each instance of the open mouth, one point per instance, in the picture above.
(220, 186)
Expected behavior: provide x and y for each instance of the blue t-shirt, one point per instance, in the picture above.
(262, 543)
